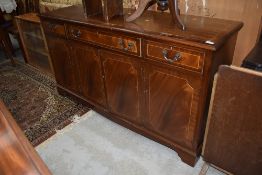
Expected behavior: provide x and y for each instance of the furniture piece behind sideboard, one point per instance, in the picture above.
(33, 41)
(233, 135)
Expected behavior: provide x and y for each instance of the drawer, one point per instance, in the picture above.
(111, 40)
(175, 55)
(54, 28)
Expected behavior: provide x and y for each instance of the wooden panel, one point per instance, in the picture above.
(123, 43)
(65, 69)
(17, 155)
(90, 72)
(54, 28)
(122, 81)
(172, 105)
(233, 135)
(188, 58)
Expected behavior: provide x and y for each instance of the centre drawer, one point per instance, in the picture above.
(175, 55)
(106, 39)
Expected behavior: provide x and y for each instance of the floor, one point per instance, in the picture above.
(95, 145)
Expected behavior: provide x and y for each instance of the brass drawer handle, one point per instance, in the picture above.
(177, 56)
(76, 33)
(122, 45)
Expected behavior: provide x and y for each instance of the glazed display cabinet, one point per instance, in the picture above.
(33, 41)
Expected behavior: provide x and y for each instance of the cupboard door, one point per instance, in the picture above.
(64, 65)
(123, 85)
(172, 101)
(90, 72)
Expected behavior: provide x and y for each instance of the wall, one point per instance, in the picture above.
(247, 11)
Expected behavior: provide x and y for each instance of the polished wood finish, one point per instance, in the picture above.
(142, 6)
(112, 8)
(74, 59)
(88, 63)
(92, 7)
(158, 26)
(233, 138)
(159, 86)
(54, 28)
(64, 65)
(33, 42)
(173, 7)
(108, 8)
(123, 85)
(190, 59)
(17, 155)
(172, 104)
(123, 43)
(175, 12)
(30, 17)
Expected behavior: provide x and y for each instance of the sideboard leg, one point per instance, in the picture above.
(187, 157)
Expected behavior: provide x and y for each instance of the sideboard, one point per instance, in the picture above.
(146, 75)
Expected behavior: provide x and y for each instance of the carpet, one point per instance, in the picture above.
(95, 145)
(34, 102)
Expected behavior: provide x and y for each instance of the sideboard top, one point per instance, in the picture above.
(203, 32)
(31, 17)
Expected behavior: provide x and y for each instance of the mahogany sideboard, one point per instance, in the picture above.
(17, 155)
(146, 75)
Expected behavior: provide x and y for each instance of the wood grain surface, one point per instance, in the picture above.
(17, 155)
(147, 88)
(159, 25)
(247, 11)
(233, 138)
(123, 85)
(88, 63)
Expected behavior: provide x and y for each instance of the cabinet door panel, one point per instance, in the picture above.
(172, 105)
(90, 72)
(122, 81)
(64, 66)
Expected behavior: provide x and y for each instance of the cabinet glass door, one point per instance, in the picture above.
(34, 45)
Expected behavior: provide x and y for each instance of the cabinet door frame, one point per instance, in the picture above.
(70, 62)
(73, 54)
(137, 65)
(193, 80)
